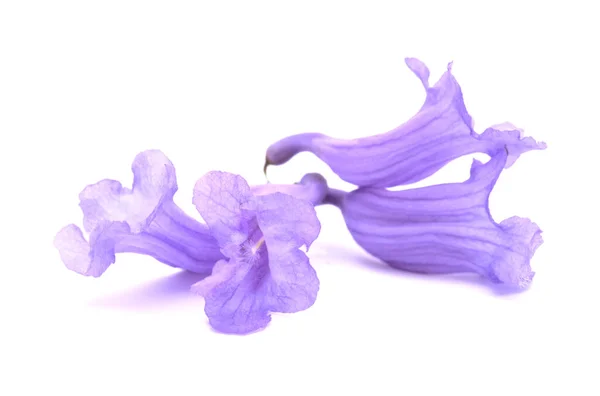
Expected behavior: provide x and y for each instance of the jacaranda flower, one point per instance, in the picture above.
(441, 131)
(445, 228)
(260, 234)
(143, 219)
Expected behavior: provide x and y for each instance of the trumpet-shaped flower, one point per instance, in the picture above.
(260, 233)
(143, 219)
(440, 132)
(445, 228)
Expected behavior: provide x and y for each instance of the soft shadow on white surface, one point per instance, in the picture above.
(164, 292)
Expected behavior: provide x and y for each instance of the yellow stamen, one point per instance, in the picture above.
(258, 245)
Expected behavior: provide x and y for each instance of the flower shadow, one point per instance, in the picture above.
(159, 293)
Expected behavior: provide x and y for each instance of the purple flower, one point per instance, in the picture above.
(260, 234)
(142, 220)
(445, 228)
(441, 131)
(250, 244)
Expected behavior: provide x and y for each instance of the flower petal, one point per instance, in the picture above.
(219, 196)
(444, 228)
(312, 188)
(440, 132)
(420, 69)
(509, 134)
(221, 272)
(154, 182)
(90, 259)
(237, 295)
(288, 223)
(142, 220)
(242, 292)
(286, 219)
(110, 238)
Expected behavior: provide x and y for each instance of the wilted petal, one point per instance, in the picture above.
(440, 132)
(444, 228)
(266, 272)
(142, 220)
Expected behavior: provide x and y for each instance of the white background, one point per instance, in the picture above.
(85, 86)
